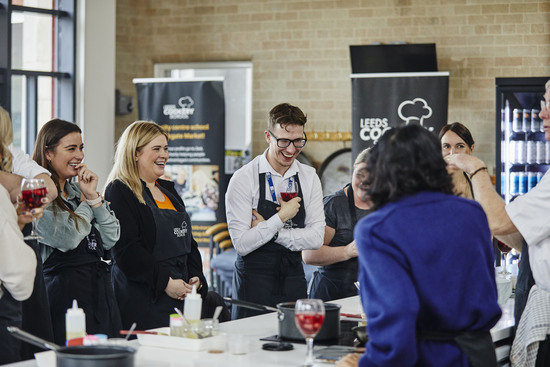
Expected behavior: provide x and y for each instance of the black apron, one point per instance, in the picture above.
(172, 246)
(336, 281)
(81, 274)
(272, 273)
(478, 346)
(10, 315)
(36, 310)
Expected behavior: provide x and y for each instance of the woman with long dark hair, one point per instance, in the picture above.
(457, 139)
(426, 260)
(78, 230)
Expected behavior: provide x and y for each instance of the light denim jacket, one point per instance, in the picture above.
(60, 232)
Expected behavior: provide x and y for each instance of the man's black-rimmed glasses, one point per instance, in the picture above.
(283, 143)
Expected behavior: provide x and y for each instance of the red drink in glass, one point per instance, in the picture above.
(309, 324)
(33, 198)
(286, 196)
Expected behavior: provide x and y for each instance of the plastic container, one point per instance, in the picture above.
(75, 322)
(192, 306)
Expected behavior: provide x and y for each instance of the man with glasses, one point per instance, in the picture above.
(268, 232)
(525, 225)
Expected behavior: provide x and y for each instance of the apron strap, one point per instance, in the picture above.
(351, 206)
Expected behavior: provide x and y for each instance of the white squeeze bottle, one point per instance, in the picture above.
(75, 322)
(192, 306)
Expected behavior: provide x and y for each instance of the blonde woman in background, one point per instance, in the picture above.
(156, 261)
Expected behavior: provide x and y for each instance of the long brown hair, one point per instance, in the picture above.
(47, 140)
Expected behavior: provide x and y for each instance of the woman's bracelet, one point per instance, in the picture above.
(477, 170)
(95, 201)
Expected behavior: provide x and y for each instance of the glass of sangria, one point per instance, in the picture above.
(33, 190)
(291, 190)
(309, 315)
(505, 250)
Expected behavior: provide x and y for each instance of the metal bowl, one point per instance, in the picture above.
(360, 333)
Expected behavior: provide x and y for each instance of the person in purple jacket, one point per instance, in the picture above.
(426, 273)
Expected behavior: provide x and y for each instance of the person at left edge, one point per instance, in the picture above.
(78, 230)
(156, 260)
(267, 232)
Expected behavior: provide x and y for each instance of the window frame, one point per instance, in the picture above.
(63, 78)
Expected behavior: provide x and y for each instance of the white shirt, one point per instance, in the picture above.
(243, 195)
(530, 213)
(17, 259)
(24, 166)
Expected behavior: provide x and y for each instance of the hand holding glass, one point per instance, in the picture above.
(33, 190)
(309, 315)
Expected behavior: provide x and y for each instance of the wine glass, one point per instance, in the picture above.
(309, 315)
(291, 190)
(33, 190)
(505, 250)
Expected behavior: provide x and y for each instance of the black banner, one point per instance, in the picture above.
(383, 101)
(193, 115)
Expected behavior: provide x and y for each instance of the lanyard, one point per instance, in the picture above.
(271, 188)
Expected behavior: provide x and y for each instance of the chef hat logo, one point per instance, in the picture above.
(415, 111)
(186, 102)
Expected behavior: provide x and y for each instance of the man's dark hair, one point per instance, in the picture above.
(405, 161)
(286, 114)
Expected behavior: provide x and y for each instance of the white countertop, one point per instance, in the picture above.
(251, 329)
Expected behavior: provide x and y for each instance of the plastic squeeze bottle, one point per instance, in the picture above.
(75, 322)
(192, 306)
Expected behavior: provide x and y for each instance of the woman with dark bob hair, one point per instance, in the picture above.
(425, 260)
(456, 139)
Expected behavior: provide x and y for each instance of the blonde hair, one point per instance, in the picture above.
(132, 141)
(361, 157)
(6, 138)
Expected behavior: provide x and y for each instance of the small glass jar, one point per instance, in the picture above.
(176, 325)
(209, 327)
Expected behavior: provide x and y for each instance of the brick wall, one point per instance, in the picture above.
(300, 51)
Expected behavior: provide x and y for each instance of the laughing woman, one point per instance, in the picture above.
(157, 261)
(78, 230)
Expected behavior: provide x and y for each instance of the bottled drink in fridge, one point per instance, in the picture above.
(531, 156)
(523, 183)
(521, 152)
(516, 120)
(535, 122)
(514, 183)
(531, 180)
(541, 151)
(526, 121)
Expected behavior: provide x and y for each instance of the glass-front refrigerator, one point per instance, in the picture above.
(522, 153)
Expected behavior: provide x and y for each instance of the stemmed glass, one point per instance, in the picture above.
(505, 250)
(291, 190)
(33, 190)
(309, 315)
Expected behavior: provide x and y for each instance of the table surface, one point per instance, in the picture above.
(251, 330)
